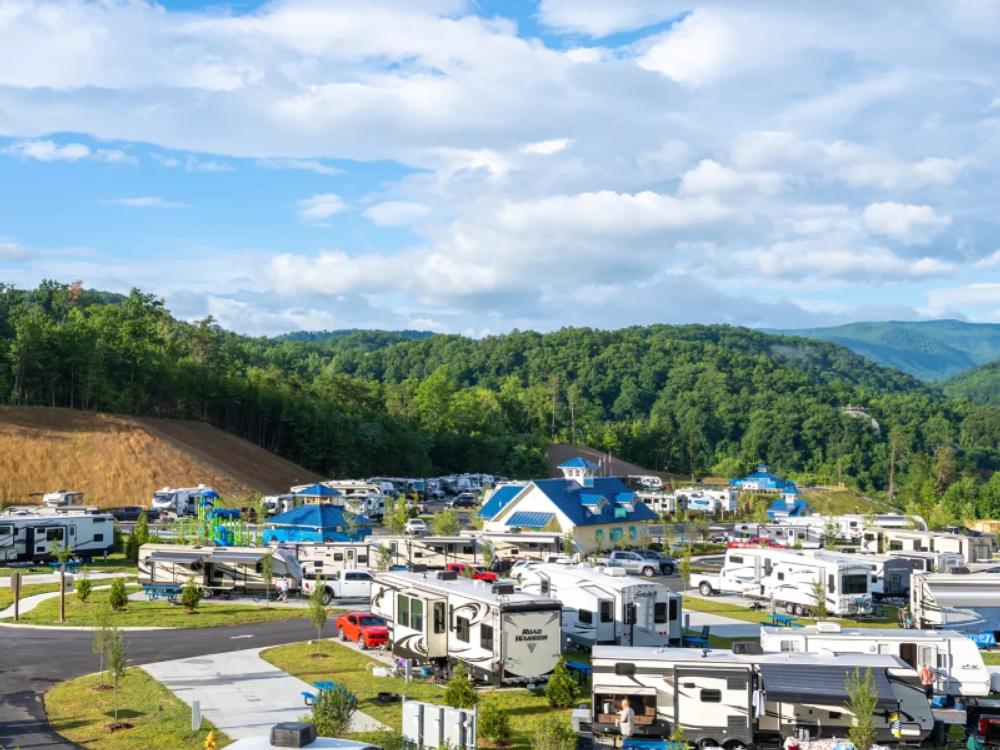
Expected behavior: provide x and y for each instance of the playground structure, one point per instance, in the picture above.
(224, 527)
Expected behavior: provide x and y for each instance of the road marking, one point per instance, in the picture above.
(234, 637)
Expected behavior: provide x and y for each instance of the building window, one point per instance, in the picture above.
(599, 535)
(462, 629)
(616, 533)
(607, 610)
(585, 616)
(632, 532)
(486, 637)
(711, 696)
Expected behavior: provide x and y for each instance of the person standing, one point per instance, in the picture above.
(626, 720)
(926, 679)
(283, 591)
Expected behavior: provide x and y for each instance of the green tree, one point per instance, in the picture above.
(493, 723)
(102, 639)
(317, 607)
(332, 712)
(487, 554)
(397, 513)
(677, 734)
(561, 690)
(118, 595)
(117, 655)
(817, 592)
(139, 537)
(267, 575)
(190, 595)
(684, 568)
(863, 699)
(553, 733)
(445, 523)
(458, 693)
(568, 545)
(83, 587)
(384, 558)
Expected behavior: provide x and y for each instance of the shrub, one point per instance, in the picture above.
(494, 723)
(190, 595)
(332, 712)
(561, 690)
(459, 692)
(317, 609)
(863, 696)
(118, 596)
(83, 588)
(553, 733)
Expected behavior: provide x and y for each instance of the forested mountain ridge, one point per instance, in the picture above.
(688, 399)
(980, 386)
(927, 349)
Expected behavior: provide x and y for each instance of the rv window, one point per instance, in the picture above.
(736, 683)
(417, 614)
(318, 564)
(5, 529)
(790, 646)
(869, 537)
(486, 637)
(585, 616)
(72, 530)
(362, 559)
(895, 545)
(660, 612)
(467, 551)
(544, 586)
(855, 584)
(835, 714)
(781, 576)
(675, 606)
(403, 611)
(944, 661)
(439, 617)
(350, 554)
(98, 537)
(53, 535)
(831, 584)
(607, 610)
(711, 696)
(338, 556)
(736, 559)
(462, 629)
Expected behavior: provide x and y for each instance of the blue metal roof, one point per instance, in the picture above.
(782, 508)
(499, 499)
(318, 490)
(591, 500)
(530, 519)
(625, 497)
(566, 495)
(315, 516)
(579, 462)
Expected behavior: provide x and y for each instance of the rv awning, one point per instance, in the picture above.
(240, 558)
(820, 684)
(177, 558)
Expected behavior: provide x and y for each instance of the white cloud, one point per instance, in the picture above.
(335, 272)
(316, 209)
(599, 18)
(12, 251)
(990, 261)
(307, 165)
(147, 201)
(694, 52)
(810, 259)
(396, 213)
(546, 148)
(905, 222)
(711, 177)
(49, 151)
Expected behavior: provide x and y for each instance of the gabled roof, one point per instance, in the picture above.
(318, 490)
(314, 516)
(529, 519)
(578, 462)
(592, 500)
(499, 499)
(566, 495)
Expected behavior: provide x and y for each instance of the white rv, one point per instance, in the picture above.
(605, 606)
(974, 549)
(953, 659)
(929, 562)
(182, 501)
(960, 601)
(360, 498)
(217, 570)
(275, 504)
(326, 558)
(499, 635)
(737, 700)
(35, 537)
(706, 500)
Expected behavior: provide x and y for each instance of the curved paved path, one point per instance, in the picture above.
(33, 660)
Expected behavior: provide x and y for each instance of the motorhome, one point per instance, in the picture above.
(974, 549)
(606, 606)
(182, 501)
(217, 570)
(959, 601)
(737, 700)
(500, 635)
(38, 537)
(953, 659)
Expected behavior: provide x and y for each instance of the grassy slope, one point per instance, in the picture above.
(738, 612)
(353, 671)
(161, 720)
(156, 613)
(121, 461)
(839, 502)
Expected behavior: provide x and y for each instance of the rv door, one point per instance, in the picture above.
(437, 628)
(715, 703)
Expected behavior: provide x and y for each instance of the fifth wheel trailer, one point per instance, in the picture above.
(217, 570)
(960, 601)
(501, 636)
(953, 659)
(737, 700)
(37, 537)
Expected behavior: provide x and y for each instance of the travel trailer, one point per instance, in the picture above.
(61, 499)
(511, 546)
(36, 537)
(182, 501)
(275, 504)
(430, 551)
(974, 549)
(959, 601)
(217, 570)
(327, 558)
(605, 606)
(736, 700)
(953, 659)
(929, 562)
(360, 498)
(645, 481)
(706, 500)
(500, 635)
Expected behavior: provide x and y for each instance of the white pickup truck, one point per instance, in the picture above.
(344, 584)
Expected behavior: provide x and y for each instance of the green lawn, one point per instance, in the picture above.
(156, 613)
(353, 671)
(841, 502)
(114, 563)
(7, 596)
(160, 720)
(991, 657)
(888, 619)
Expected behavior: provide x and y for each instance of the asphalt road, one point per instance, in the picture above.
(33, 660)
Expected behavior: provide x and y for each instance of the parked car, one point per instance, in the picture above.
(464, 500)
(127, 514)
(667, 564)
(364, 628)
(416, 526)
(755, 541)
(474, 571)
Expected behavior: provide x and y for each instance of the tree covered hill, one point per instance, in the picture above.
(687, 399)
(980, 385)
(929, 349)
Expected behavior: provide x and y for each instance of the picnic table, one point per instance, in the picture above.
(71, 566)
(168, 591)
(581, 670)
(783, 621)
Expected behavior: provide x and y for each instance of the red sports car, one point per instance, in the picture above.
(365, 628)
(478, 574)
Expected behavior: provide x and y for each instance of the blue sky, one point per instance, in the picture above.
(480, 166)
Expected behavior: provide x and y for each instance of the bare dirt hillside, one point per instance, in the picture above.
(119, 460)
(559, 452)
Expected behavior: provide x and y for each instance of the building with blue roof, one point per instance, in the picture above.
(316, 493)
(763, 481)
(314, 523)
(598, 512)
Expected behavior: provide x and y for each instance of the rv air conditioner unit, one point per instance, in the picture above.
(747, 647)
(293, 734)
(503, 588)
(447, 575)
(418, 568)
(828, 627)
